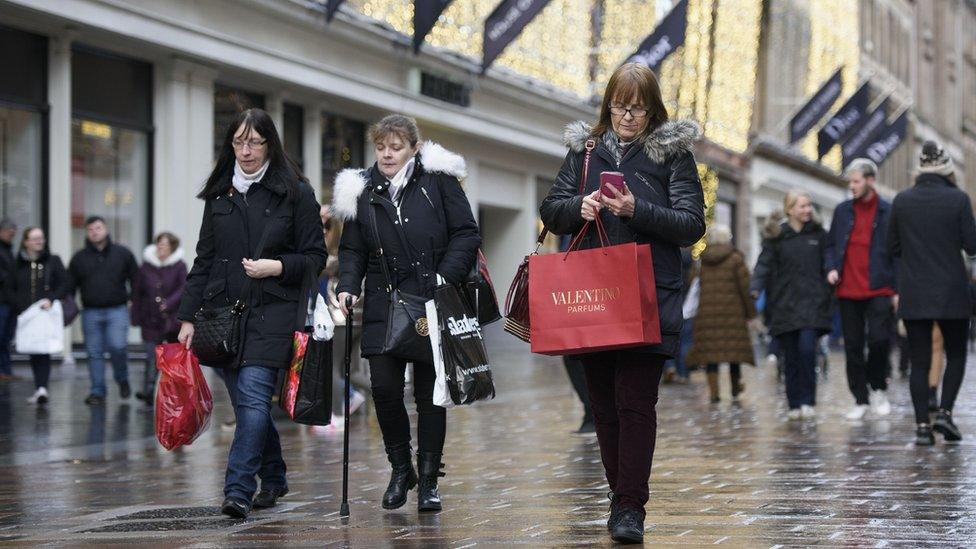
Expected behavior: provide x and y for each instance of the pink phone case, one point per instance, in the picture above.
(613, 178)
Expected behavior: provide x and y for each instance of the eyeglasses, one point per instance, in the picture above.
(636, 112)
(251, 144)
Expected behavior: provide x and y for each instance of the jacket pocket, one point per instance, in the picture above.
(284, 293)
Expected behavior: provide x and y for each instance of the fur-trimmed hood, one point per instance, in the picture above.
(672, 137)
(150, 257)
(349, 184)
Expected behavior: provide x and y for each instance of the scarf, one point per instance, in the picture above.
(400, 179)
(243, 181)
(616, 147)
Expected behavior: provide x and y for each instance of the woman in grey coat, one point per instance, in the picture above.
(931, 225)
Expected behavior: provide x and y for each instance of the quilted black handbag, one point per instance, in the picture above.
(217, 330)
(406, 323)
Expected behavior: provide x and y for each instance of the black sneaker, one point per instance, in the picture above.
(94, 400)
(124, 390)
(268, 498)
(629, 527)
(587, 427)
(923, 435)
(944, 425)
(235, 508)
(148, 398)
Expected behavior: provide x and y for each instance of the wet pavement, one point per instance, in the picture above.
(736, 475)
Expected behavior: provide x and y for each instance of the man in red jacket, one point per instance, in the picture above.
(864, 275)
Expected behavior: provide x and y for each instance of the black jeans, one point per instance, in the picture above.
(41, 365)
(623, 388)
(800, 350)
(877, 316)
(954, 334)
(735, 369)
(386, 377)
(574, 369)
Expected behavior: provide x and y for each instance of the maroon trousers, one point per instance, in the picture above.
(623, 387)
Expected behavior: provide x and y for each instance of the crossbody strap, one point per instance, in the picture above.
(590, 145)
(371, 209)
(246, 288)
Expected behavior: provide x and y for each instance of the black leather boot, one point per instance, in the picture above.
(429, 467)
(402, 479)
(944, 425)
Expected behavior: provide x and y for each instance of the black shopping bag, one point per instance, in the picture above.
(466, 372)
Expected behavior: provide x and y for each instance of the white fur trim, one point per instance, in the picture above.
(349, 184)
(150, 257)
(436, 158)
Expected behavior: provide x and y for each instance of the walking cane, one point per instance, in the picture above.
(344, 507)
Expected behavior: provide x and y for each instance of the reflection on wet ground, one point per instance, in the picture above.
(727, 474)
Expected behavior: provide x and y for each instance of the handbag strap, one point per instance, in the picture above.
(262, 241)
(379, 250)
(590, 145)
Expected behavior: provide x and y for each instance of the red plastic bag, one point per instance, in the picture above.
(183, 399)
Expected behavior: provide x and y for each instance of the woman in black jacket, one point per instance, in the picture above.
(662, 205)
(791, 269)
(38, 276)
(425, 229)
(931, 225)
(254, 185)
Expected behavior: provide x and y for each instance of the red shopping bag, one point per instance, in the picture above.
(599, 299)
(183, 400)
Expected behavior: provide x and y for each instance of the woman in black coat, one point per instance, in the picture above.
(662, 204)
(791, 269)
(426, 229)
(931, 226)
(254, 186)
(38, 276)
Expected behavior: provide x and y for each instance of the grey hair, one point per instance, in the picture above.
(718, 235)
(865, 166)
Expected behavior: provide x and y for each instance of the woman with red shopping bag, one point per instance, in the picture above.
(661, 204)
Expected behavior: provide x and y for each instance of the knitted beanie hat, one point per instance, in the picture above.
(935, 160)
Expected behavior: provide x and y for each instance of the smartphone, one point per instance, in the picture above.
(611, 178)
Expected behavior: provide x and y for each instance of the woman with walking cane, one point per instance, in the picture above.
(406, 221)
(260, 237)
(662, 204)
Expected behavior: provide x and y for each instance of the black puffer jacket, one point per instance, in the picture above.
(41, 278)
(792, 270)
(669, 211)
(230, 231)
(931, 225)
(434, 233)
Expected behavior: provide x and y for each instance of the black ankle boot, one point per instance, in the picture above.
(923, 435)
(402, 479)
(429, 467)
(943, 424)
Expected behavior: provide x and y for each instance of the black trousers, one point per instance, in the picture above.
(386, 377)
(574, 369)
(868, 321)
(41, 365)
(623, 388)
(954, 334)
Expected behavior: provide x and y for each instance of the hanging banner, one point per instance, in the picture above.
(331, 7)
(854, 146)
(815, 109)
(667, 37)
(425, 14)
(887, 140)
(504, 24)
(843, 123)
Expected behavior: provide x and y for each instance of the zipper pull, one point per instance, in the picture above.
(427, 196)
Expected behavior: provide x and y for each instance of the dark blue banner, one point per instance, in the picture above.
(815, 109)
(504, 24)
(425, 14)
(887, 140)
(843, 123)
(855, 145)
(667, 37)
(331, 7)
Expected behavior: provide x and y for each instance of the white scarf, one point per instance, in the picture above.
(401, 178)
(243, 181)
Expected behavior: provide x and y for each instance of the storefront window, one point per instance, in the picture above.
(343, 146)
(228, 102)
(23, 101)
(110, 144)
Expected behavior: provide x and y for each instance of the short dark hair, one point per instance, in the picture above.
(173, 240)
(94, 219)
